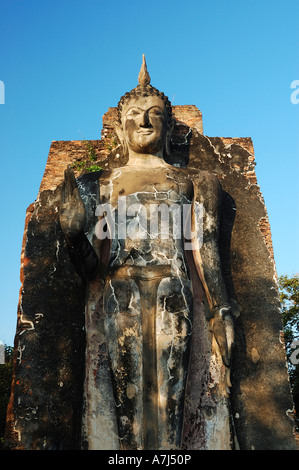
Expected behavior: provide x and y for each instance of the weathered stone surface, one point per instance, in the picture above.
(46, 405)
(46, 401)
(261, 399)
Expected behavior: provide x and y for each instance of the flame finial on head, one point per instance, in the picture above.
(144, 88)
(144, 77)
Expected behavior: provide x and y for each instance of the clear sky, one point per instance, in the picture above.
(64, 62)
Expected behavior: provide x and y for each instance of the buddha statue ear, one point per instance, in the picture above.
(169, 132)
(119, 132)
(121, 137)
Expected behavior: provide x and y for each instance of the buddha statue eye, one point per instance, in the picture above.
(133, 112)
(156, 111)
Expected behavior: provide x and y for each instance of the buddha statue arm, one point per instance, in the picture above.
(207, 192)
(72, 218)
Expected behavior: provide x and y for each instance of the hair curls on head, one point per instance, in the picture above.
(144, 89)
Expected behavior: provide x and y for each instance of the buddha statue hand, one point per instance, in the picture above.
(72, 214)
(72, 218)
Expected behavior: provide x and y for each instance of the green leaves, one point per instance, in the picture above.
(289, 297)
(87, 164)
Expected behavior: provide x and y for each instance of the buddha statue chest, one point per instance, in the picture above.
(148, 208)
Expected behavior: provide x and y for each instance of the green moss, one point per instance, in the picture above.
(87, 165)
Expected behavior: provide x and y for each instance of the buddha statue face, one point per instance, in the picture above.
(144, 125)
(145, 121)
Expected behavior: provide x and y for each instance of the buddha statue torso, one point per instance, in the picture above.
(148, 304)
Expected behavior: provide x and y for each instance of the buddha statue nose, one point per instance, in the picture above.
(144, 121)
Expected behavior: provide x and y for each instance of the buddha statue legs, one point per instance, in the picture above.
(148, 319)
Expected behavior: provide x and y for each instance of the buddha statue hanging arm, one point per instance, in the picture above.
(72, 218)
(207, 193)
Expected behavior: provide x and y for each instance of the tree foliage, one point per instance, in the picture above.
(5, 386)
(289, 297)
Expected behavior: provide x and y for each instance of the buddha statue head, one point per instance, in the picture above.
(145, 120)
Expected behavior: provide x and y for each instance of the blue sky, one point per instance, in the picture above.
(64, 62)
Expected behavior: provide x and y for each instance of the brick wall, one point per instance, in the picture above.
(64, 153)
